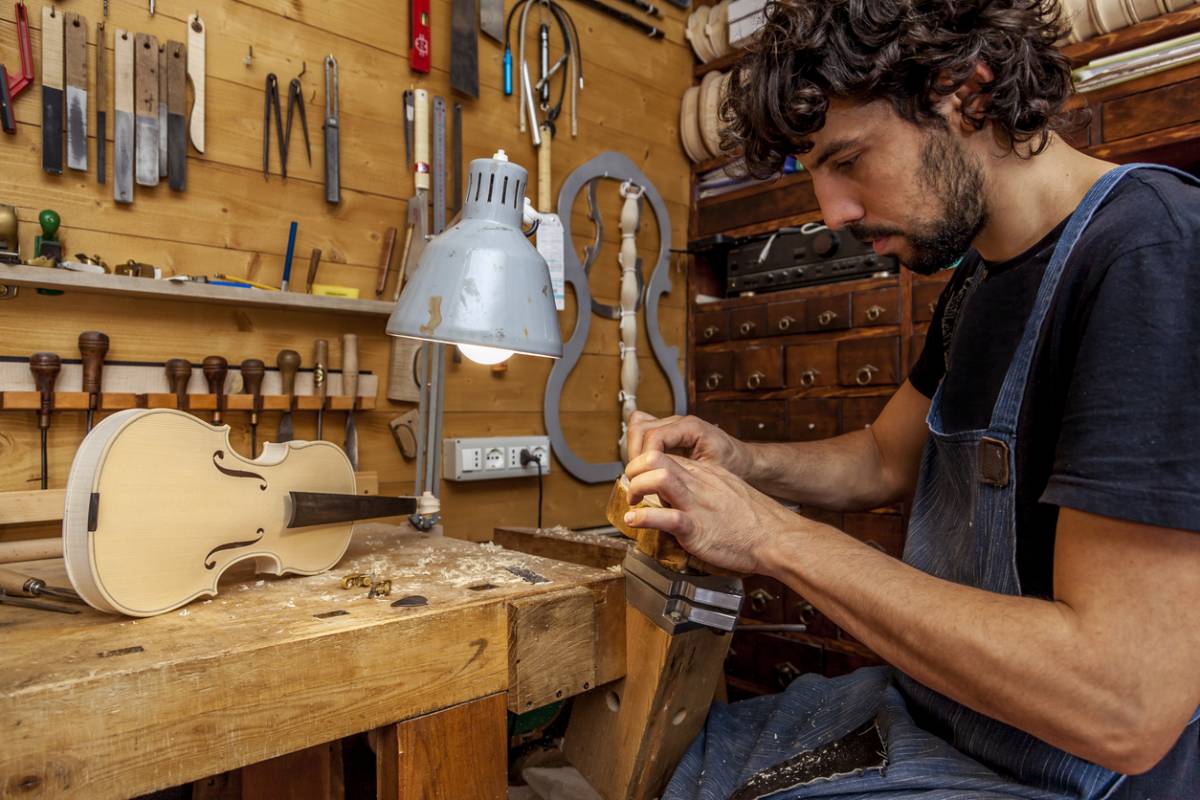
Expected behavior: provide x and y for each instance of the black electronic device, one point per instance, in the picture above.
(794, 257)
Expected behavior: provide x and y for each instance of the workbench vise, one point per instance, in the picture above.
(675, 590)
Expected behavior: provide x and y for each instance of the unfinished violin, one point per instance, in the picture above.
(159, 505)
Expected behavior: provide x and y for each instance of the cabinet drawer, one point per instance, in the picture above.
(812, 365)
(714, 371)
(877, 307)
(869, 362)
(798, 611)
(718, 414)
(758, 368)
(882, 531)
(784, 318)
(810, 419)
(780, 660)
(761, 421)
(748, 323)
(830, 313)
(711, 326)
(861, 412)
(764, 598)
(924, 299)
(1164, 107)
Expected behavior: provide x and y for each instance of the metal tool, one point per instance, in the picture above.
(420, 38)
(152, 8)
(385, 260)
(45, 368)
(457, 200)
(627, 19)
(314, 262)
(145, 57)
(333, 179)
(464, 47)
(677, 602)
(176, 116)
(418, 204)
(14, 584)
(11, 86)
(93, 347)
(253, 370)
(296, 103)
(100, 103)
(271, 104)
(24, 602)
(288, 362)
(320, 365)
(195, 71)
(287, 261)
(52, 90)
(408, 126)
(76, 66)
(123, 124)
(439, 165)
(179, 374)
(162, 111)
(215, 369)
(491, 19)
(350, 389)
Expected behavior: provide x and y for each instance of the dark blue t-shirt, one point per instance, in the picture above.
(1109, 422)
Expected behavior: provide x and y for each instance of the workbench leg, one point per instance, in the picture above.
(456, 753)
(626, 738)
(314, 773)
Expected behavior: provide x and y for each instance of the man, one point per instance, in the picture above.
(1045, 623)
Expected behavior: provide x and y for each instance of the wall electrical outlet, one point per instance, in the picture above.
(485, 459)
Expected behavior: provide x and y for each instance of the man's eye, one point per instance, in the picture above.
(847, 165)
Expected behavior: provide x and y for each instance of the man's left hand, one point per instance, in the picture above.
(714, 514)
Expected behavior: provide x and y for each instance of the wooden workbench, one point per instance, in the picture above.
(102, 706)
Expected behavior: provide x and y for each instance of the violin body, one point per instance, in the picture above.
(159, 506)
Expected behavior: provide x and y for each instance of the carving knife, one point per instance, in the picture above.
(77, 91)
(123, 116)
(52, 90)
(101, 104)
(195, 71)
(350, 389)
(176, 116)
(320, 357)
(288, 362)
(145, 58)
(333, 178)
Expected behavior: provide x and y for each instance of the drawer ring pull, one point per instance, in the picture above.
(826, 318)
(865, 374)
(755, 380)
(759, 599)
(710, 331)
(809, 377)
(933, 306)
(713, 380)
(786, 323)
(746, 327)
(875, 312)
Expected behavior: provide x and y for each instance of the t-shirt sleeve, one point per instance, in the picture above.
(1129, 444)
(927, 371)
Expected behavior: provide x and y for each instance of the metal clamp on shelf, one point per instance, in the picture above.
(677, 601)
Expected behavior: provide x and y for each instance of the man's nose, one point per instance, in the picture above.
(839, 206)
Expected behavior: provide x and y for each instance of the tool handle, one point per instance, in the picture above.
(288, 362)
(385, 260)
(350, 365)
(287, 261)
(545, 200)
(314, 262)
(253, 370)
(216, 368)
(507, 72)
(15, 583)
(45, 368)
(421, 137)
(179, 373)
(75, 38)
(53, 39)
(93, 347)
(145, 61)
(320, 365)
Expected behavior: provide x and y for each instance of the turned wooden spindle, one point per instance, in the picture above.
(215, 370)
(179, 373)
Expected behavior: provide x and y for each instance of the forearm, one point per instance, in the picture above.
(1031, 663)
(845, 473)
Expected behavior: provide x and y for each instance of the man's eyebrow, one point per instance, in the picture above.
(833, 148)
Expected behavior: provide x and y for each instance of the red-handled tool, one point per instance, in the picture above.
(419, 36)
(11, 86)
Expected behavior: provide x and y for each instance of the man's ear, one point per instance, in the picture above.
(969, 100)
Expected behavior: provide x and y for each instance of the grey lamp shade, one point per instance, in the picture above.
(481, 282)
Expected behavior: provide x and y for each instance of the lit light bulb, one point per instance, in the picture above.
(485, 355)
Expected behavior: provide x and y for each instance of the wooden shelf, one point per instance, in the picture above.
(48, 278)
(78, 401)
(1168, 26)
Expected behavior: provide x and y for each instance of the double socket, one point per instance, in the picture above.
(492, 458)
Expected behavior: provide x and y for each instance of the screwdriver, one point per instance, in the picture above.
(320, 357)
(253, 370)
(215, 370)
(14, 583)
(93, 347)
(45, 368)
(179, 372)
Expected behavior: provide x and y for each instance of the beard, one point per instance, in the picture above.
(950, 174)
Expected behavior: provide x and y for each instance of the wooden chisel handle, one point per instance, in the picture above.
(385, 260)
(179, 373)
(350, 365)
(288, 362)
(320, 367)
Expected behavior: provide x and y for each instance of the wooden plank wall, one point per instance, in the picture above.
(233, 220)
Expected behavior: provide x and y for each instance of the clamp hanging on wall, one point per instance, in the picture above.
(611, 166)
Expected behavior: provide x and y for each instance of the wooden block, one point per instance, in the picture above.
(453, 754)
(21, 508)
(550, 641)
(314, 773)
(590, 550)
(662, 547)
(626, 738)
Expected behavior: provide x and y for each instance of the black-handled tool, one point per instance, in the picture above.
(93, 347)
(253, 370)
(45, 368)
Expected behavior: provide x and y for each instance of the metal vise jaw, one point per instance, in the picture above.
(678, 602)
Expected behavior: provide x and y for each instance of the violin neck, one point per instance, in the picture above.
(318, 508)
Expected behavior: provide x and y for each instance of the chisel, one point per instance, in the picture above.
(93, 347)
(162, 111)
(123, 116)
(333, 178)
(215, 370)
(15, 584)
(75, 51)
(52, 90)
(350, 389)
(288, 362)
(385, 260)
(45, 368)
(179, 373)
(101, 104)
(145, 57)
(253, 370)
(176, 116)
(320, 357)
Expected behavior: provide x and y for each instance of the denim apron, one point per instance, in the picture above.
(963, 529)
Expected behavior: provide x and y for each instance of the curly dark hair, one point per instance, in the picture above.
(909, 52)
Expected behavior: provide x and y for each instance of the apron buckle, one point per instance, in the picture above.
(993, 462)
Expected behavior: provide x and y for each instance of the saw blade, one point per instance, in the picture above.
(439, 165)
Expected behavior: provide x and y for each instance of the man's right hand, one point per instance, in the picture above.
(689, 437)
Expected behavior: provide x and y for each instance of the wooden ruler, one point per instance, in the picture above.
(123, 125)
(176, 116)
(52, 90)
(145, 109)
(76, 56)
